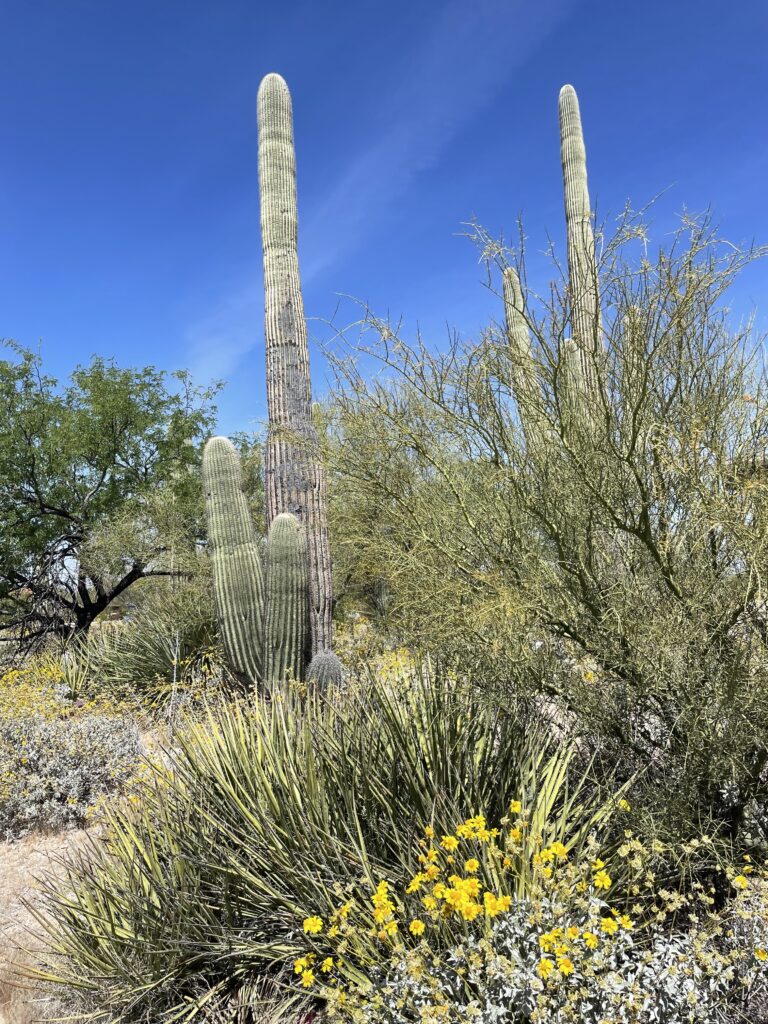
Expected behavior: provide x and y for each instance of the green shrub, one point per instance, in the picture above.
(61, 750)
(590, 940)
(278, 808)
(166, 647)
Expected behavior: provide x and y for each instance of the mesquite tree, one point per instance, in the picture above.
(294, 475)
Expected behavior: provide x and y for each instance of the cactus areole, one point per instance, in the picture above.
(294, 475)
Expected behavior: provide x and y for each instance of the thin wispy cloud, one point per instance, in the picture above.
(440, 83)
(217, 343)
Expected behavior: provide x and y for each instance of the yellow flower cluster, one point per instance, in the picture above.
(467, 878)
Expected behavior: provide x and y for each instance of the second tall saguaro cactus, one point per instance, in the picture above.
(582, 263)
(294, 475)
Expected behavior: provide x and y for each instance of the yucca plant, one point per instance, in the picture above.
(278, 809)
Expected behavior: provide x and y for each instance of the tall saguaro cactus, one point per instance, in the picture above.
(582, 262)
(238, 582)
(294, 476)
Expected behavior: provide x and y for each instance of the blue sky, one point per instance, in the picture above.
(128, 184)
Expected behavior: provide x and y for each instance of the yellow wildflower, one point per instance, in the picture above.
(602, 880)
(449, 842)
(327, 964)
(609, 926)
(416, 927)
(471, 866)
(740, 882)
(313, 925)
(515, 807)
(591, 941)
(470, 910)
(565, 965)
(545, 968)
(307, 978)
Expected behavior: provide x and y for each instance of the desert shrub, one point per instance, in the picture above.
(61, 752)
(52, 773)
(604, 557)
(585, 940)
(164, 651)
(278, 808)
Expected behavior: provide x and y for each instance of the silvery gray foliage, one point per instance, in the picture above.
(674, 980)
(54, 771)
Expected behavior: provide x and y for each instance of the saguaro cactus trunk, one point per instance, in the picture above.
(582, 263)
(294, 475)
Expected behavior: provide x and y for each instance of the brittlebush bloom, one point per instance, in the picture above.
(313, 925)
(602, 880)
(307, 978)
(327, 964)
(515, 807)
(471, 866)
(449, 842)
(740, 882)
(545, 968)
(609, 926)
(565, 965)
(416, 927)
(761, 955)
(591, 941)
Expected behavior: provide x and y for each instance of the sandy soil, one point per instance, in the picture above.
(20, 863)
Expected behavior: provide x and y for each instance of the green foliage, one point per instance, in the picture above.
(277, 808)
(105, 452)
(164, 650)
(618, 560)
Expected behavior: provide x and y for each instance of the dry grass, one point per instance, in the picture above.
(20, 863)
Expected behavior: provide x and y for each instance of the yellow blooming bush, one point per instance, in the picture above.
(461, 941)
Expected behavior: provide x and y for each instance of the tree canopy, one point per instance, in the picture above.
(97, 488)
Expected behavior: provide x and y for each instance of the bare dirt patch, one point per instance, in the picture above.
(21, 862)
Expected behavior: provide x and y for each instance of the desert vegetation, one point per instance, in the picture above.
(445, 700)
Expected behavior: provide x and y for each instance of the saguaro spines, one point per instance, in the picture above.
(238, 582)
(582, 263)
(294, 476)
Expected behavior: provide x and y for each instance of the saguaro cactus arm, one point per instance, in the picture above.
(294, 476)
(238, 583)
(285, 631)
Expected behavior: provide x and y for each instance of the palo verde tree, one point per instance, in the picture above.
(95, 488)
(576, 502)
